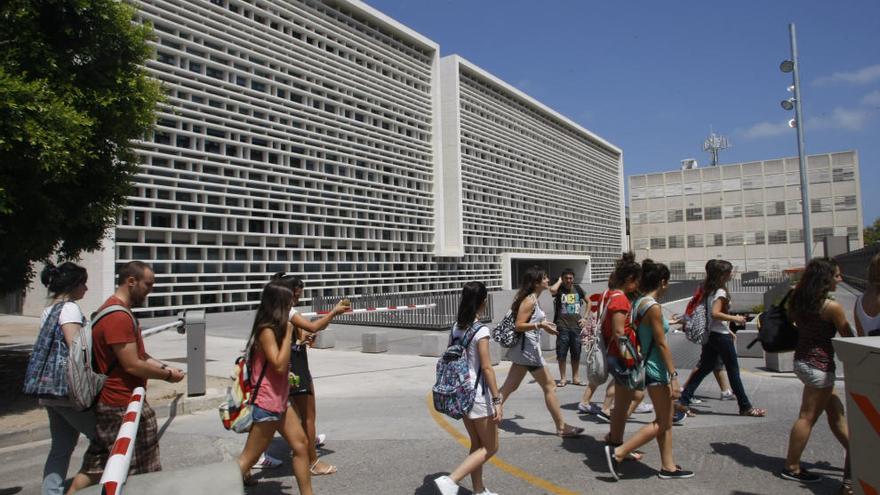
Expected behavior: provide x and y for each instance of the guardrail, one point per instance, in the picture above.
(440, 316)
(854, 265)
(116, 470)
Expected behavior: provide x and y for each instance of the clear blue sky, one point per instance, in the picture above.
(652, 77)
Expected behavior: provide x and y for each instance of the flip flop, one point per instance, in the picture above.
(561, 383)
(754, 412)
(570, 432)
(577, 384)
(330, 469)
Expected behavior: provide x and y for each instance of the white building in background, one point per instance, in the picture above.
(746, 213)
(311, 137)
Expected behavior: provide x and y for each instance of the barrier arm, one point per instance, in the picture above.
(116, 470)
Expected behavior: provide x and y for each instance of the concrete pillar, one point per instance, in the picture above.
(325, 339)
(374, 342)
(195, 328)
(434, 344)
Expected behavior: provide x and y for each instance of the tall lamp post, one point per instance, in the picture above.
(798, 123)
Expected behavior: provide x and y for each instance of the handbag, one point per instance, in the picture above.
(46, 374)
(596, 348)
(505, 331)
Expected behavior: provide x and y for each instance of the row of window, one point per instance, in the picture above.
(770, 208)
(773, 236)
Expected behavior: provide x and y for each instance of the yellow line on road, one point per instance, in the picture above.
(495, 460)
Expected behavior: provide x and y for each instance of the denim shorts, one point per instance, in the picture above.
(813, 377)
(260, 415)
(653, 381)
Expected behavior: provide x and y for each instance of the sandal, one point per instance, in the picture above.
(561, 383)
(330, 469)
(754, 412)
(570, 432)
(248, 480)
(577, 384)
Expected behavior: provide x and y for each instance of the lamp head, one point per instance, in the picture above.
(786, 66)
(787, 104)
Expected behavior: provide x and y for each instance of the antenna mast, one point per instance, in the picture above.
(713, 144)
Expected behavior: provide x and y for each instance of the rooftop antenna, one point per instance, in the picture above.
(713, 144)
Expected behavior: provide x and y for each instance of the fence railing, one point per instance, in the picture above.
(441, 316)
(854, 265)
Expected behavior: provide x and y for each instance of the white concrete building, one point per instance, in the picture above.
(746, 213)
(308, 137)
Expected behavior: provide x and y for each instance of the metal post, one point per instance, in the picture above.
(194, 321)
(799, 115)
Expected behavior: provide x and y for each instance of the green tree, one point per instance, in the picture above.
(73, 94)
(872, 232)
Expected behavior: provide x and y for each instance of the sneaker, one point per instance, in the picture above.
(446, 486)
(602, 417)
(644, 408)
(678, 474)
(585, 409)
(266, 461)
(727, 395)
(486, 492)
(320, 439)
(678, 418)
(612, 462)
(802, 476)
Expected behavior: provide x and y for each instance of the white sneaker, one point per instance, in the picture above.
(320, 439)
(486, 492)
(727, 395)
(446, 486)
(266, 461)
(644, 408)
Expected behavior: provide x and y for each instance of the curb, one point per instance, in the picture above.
(178, 406)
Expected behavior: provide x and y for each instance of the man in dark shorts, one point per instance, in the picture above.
(118, 351)
(568, 301)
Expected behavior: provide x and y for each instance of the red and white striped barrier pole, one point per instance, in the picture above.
(116, 470)
(385, 309)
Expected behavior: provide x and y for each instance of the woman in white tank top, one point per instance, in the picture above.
(867, 307)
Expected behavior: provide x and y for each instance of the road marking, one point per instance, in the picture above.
(495, 460)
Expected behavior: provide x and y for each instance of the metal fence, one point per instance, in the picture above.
(441, 316)
(854, 265)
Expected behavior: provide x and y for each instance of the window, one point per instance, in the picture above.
(695, 241)
(694, 214)
(775, 208)
(796, 235)
(820, 233)
(656, 216)
(776, 180)
(852, 233)
(842, 203)
(674, 216)
(819, 176)
(711, 186)
(731, 184)
(639, 218)
(733, 211)
(712, 213)
(691, 188)
(843, 174)
(754, 210)
(658, 243)
(640, 244)
(733, 239)
(752, 183)
(819, 205)
(638, 193)
(676, 241)
(793, 206)
(713, 240)
(673, 189)
(752, 238)
(777, 237)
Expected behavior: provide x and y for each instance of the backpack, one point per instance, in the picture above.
(632, 362)
(83, 381)
(775, 332)
(696, 319)
(58, 371)
(596, 350)
(236, 411)
(452, 391)
(505, 331)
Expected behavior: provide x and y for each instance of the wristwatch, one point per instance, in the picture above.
(497, 400)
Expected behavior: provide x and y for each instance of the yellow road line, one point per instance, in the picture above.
(495, 460)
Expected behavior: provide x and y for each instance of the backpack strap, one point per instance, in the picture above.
(253, 396)
(113, 308)
(640, 311)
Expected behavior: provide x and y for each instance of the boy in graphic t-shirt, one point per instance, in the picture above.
(568, 301)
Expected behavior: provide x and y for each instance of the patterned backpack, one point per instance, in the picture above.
(236, 411)
(453, 393)
(696, 319)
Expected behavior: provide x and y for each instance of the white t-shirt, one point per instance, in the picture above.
(70, 313)
(293, 311)
(484, 395)
(717, 326)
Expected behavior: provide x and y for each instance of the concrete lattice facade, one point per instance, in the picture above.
(747, 213)
(305, 137)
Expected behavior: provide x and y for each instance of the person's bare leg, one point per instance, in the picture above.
(660, 428)
(542, 376)
(562, 370)
(608, 403)
(483, 433)
(721, 378)
(623, 398)
(258, 440)
(292, 431)
(814, 401)
(511, 382)
(82, 480)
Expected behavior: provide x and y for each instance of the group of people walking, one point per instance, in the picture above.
(634, 328)
(632, 325)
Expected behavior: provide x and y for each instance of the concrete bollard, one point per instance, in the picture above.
(495, 352)
(743, 339)
(194, 322)
(548, 342)
(434, 344)
(325, 339)
(782, 361)
(374, 342)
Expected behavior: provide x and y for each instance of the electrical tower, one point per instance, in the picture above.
(713, 144)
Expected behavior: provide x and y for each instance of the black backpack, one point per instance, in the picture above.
(775, 332)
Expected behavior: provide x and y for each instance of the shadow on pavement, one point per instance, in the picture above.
(593, 451)
(747, 457)
(510, 426)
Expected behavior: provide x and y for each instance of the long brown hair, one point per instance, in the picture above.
(716, 272)
(810, 292)
(532, 277)
(273, 311)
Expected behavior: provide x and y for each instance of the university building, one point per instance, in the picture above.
(323, 138)
(747, 213)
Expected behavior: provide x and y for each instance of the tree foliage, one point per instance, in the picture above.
(872, 232)
(73, 94)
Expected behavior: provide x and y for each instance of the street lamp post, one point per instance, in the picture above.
(798, 124)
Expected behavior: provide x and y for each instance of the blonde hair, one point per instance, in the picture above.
(874, 272)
